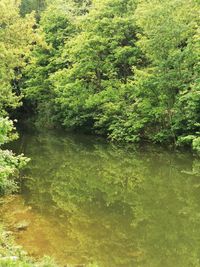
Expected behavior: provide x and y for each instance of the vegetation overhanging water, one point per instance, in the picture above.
(124, 69)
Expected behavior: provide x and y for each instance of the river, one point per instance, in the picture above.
(86, 202)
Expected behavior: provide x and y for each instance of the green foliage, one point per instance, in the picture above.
(196, 144)
(169, 82)
(27, 6)
(56, 26)
(91, 90)
(128, 69)
(16, 37)
(9, 163)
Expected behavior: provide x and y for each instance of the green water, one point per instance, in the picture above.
(111, 206)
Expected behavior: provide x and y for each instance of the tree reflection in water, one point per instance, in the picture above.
(111, 206)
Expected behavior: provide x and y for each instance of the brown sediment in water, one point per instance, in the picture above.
(36, 234)
(70, 241)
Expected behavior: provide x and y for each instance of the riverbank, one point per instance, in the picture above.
(13, 255)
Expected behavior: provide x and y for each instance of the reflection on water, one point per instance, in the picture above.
(89, 203)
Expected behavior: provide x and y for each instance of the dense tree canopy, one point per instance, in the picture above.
(100, 59)
(16, 37)
(170, 82)
(124, 69)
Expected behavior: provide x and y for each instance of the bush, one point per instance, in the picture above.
(10, 164)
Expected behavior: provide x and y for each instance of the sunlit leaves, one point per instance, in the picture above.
(16, 37)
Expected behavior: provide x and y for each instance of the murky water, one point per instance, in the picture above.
(89, 203)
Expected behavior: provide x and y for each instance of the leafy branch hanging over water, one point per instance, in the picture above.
(9, 162)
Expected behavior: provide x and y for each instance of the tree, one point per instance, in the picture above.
(27, 6)
(128, 70)
(100, 58)
(16, 37)
(169, 82)
(9, 163)
(56, 26)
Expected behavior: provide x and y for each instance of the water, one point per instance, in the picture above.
(90, 203)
